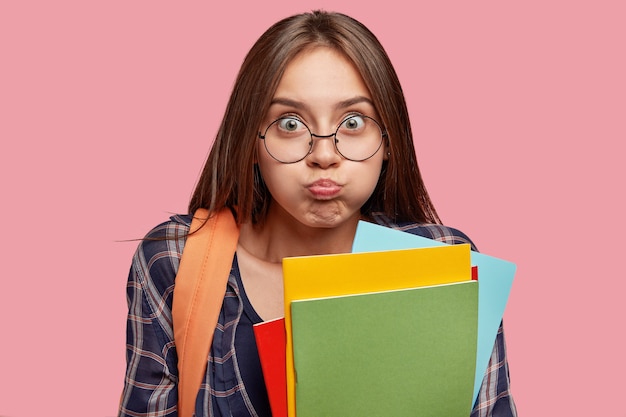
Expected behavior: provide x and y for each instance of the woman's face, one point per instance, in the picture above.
(320, 89)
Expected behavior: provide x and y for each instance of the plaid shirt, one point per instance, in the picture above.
(150, 388)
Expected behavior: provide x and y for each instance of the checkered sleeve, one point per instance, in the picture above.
(150, 385)
(494, 398)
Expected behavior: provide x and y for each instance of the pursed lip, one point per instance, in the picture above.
(324, 188)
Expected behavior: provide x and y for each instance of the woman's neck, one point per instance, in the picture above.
(272, 241)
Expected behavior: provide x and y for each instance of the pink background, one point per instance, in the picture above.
(107, 110)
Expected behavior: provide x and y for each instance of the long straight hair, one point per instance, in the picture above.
(230, 177)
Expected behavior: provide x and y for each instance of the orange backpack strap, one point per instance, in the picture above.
(198, 296)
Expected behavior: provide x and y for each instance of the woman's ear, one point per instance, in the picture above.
(387, 153)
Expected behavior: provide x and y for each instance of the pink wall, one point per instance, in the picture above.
(107, 110)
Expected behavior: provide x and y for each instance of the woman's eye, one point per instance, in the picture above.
(290, 125)
(353, 122)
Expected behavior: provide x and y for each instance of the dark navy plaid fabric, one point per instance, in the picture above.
(233, 384)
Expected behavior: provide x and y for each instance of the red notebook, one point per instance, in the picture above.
(271, 342)
(474, 273)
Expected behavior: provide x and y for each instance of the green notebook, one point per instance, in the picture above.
(408, 352)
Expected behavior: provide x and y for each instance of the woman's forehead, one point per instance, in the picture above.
(321, 76)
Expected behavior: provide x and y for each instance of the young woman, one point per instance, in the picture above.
(316, 137)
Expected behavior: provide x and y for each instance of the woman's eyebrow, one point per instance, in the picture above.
(341, 105)
(288, 102)
(354, 100)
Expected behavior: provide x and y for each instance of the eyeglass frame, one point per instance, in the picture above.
(383, 135)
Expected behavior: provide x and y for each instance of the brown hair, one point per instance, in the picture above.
(230, 177)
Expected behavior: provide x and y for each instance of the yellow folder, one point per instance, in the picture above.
(356, 273)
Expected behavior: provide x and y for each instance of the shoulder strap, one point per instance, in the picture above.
(198, 296)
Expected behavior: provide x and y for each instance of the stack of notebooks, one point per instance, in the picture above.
(403, 326)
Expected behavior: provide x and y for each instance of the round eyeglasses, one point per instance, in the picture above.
(289, 140)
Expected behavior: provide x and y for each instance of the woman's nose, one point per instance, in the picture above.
(323, 151)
